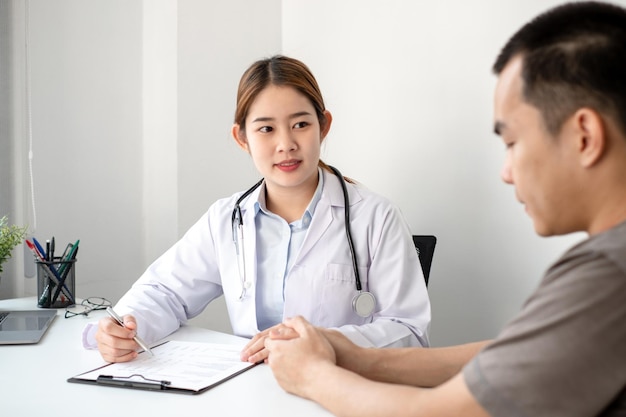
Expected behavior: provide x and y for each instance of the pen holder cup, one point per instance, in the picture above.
(56, 283)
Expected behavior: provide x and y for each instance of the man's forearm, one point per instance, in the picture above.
(347, 394)
(422, 367)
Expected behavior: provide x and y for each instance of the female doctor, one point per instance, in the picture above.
(283, 248)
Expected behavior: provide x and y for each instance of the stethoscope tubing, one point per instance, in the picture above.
(346, 200)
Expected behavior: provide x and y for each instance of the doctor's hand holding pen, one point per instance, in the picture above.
(117, 343)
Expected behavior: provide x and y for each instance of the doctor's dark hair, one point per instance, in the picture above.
(574, 56)
(281, 71)
(278, 70)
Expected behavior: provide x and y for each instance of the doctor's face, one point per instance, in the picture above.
(283, 137)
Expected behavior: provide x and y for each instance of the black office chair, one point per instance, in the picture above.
(425, 246)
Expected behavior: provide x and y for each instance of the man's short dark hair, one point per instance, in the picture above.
(574, 56)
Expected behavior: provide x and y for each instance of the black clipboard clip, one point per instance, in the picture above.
(129, 382)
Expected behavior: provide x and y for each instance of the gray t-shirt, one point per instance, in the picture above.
(565, 352)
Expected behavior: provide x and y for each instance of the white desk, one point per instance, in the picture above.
(33, 381)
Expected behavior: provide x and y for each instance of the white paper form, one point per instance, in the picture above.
(186, 365)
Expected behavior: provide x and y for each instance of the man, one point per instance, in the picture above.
(560, 108)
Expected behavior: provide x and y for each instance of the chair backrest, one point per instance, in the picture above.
(425, 246)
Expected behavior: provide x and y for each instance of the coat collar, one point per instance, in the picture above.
(332, 197)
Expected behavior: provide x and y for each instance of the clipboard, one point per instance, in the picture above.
(176, 367)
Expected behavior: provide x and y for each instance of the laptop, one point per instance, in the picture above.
(24, 327)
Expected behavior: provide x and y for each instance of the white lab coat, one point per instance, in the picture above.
(319, 286)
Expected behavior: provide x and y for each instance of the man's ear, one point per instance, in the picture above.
(591, 141)
(240, 137)
(325, 128)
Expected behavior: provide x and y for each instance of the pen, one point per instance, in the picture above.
(64, 271)
(68, 256)
(45, 295)
(41, 252)
(137, 339)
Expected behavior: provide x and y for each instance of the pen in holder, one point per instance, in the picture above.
(56, 283)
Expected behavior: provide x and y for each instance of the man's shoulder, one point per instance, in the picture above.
(608, 246)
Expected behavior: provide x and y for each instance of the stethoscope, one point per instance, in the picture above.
(363, 302)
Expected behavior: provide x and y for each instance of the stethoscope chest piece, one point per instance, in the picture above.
(363, 303)
(245, 285)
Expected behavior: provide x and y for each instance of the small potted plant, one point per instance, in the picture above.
(10, 237)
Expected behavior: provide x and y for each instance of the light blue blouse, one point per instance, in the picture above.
(278, 244)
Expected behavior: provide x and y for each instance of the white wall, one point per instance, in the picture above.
(133, 103)
(86, 83)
